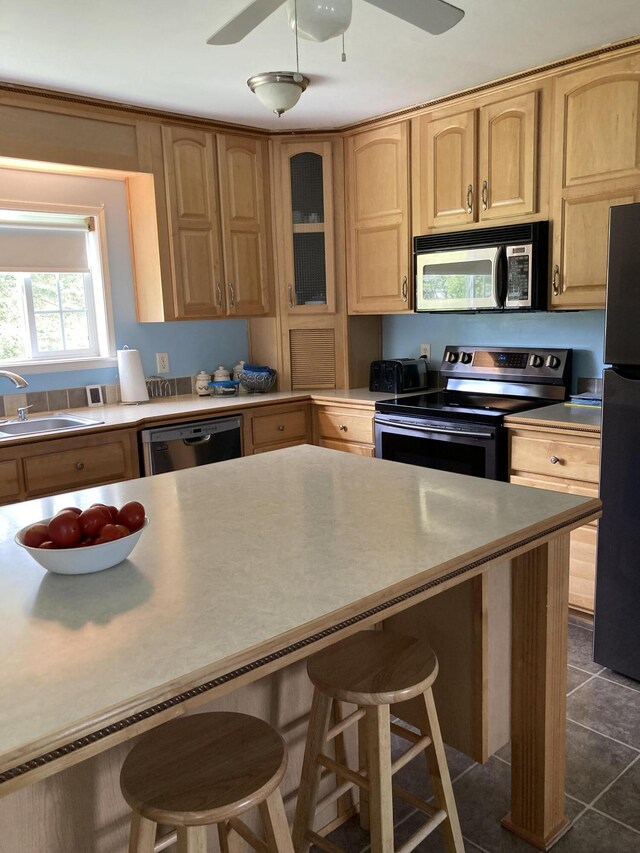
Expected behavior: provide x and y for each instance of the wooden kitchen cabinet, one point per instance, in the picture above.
(279, 426)
(341, 427)
(478, 164)
(306, 243)
(563, 460)
(47, 467)
(595, 166)
(201, 236)
(378, 221)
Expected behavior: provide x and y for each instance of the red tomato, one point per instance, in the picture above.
(64, 529)
(35, 535)
(99, 541)
(92, 520)
(75, 509)
(48, 544)
(132, 515)
(113, 531)
(114, 512)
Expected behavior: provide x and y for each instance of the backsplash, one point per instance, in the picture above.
(76, 398)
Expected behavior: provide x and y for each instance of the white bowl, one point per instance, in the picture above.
(82, 561)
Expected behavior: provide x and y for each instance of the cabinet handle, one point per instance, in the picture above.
(79, 465)
(232, 296)
(485, 195)
(555, 279)
(404, 288)
(470, 198)
(281, 427)
(290, 288)
(342, 427)
(219, 292)
(554, 460)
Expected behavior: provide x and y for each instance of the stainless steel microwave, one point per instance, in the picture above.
(487, 269)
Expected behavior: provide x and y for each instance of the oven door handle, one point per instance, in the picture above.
(418, 428)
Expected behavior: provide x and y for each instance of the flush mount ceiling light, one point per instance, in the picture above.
(278, 91)
(319, 20)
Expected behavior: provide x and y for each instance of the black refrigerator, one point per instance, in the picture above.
(617, 607)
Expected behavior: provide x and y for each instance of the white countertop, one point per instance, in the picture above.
(163, 409)
(238, 555)
(561, 416)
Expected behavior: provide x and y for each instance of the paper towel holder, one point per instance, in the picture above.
(133, 388)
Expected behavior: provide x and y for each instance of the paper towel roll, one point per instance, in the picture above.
(133, 388)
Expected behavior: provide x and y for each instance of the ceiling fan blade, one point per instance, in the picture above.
(434, 16)
(240, 26)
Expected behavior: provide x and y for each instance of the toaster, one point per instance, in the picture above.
(398, 375)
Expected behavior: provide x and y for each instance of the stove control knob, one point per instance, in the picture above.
(535, 361)
(451, 357)
(465, 357)
(552, 361)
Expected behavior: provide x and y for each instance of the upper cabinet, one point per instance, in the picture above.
(207, 251)
(596, 164)
(477, 165)
(246, 234)
(305, 237)
(378, 228)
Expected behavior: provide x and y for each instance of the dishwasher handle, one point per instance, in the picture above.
(192, 442)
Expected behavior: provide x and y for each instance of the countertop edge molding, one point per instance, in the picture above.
(590, 512)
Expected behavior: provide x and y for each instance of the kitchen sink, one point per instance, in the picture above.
(49, 424)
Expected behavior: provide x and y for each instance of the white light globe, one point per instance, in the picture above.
(319, 20)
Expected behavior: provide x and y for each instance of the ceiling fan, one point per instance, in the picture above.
(319, 21)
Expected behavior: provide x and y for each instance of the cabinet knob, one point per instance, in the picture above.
(232, 296)
(219, 293)
(79, 466)
(281, 427)
(404, 288)
(485, 195)
(554, 460)
(342, 427)
(555, 280)
(470, 198)
(290, 289)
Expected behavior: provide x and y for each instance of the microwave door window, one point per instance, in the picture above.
(457, 281)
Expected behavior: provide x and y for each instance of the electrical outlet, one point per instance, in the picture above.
(425, 349)
(162, 362)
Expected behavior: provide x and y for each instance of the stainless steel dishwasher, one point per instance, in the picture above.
(171, 448)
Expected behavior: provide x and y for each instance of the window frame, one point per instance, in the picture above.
(101, 304)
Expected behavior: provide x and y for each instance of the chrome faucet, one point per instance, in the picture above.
(18, 381)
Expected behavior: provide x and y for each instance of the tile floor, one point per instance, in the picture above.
(603, 773)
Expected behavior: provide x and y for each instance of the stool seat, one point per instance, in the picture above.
(374, 668)
(202, 769)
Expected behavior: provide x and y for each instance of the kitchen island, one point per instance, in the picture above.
(247, 567)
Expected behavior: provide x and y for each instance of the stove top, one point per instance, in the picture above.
(485, 384)
(457, 405)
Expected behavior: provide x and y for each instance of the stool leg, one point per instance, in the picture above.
(192, 839)
(310, 776)
(230, 841)
(440, 779)
(275, 824)
(362, 759)
(378, 735)
(143, 834)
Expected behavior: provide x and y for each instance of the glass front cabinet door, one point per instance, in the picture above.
(307, 220)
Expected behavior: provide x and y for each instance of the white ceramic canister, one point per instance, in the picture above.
(202, 384)
(221, 375)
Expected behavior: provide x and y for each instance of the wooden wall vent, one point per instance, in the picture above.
(313, 358)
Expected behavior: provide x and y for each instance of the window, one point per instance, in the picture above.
(54, 306)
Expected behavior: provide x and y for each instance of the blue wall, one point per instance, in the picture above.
(192, 346)
(582, 331)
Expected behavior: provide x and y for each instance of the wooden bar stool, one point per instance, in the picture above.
(204, 769)
(373, 670)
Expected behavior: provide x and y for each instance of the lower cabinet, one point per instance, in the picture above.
(563, 460)
(48, 467)
(278, 426)
(342, 427)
